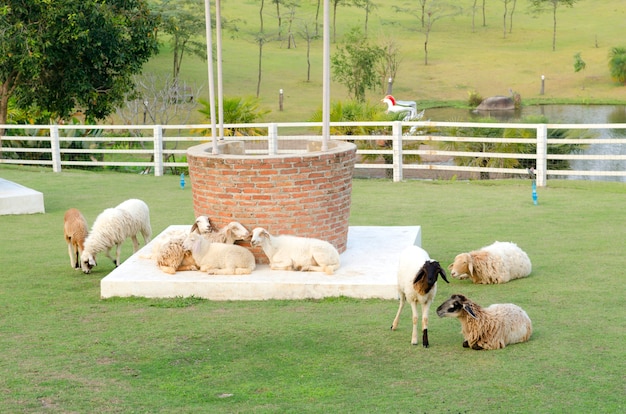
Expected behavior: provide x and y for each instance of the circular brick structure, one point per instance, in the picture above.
(305, 194)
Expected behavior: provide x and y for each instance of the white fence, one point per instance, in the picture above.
(158, 147)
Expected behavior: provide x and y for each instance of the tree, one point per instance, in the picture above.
(368, 6)
(389, 64)
(428, 15)
(617, 64)
(579, 64)
(354, 65)
(72, 54)
(183, 20)
(543, 5)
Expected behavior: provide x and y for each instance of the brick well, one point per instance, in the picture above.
(305, 194)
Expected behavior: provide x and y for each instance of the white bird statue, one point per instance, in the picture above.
(401, 106)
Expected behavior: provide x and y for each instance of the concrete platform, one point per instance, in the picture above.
(17, 199)
(368, 270)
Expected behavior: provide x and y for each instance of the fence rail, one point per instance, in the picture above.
(388, 147)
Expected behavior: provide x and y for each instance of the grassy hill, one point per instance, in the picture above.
(460, 59)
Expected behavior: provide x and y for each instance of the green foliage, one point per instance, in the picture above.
(237, 110)
(579, 63)
(66, 350)
(512, 148)
(71, 54)
(354, 64)
(355, 111)
(474, 99)
(617, 64)
(183, 20)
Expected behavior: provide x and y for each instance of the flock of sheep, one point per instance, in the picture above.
(215, 251)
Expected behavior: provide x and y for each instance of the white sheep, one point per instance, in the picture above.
(219, 258)
(296, 253)
(493, 327)
(112, 227)
(172, 257)
(75, 230)
(499, 262)
(417, 282)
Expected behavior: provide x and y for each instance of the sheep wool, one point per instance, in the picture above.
(287, 252)
(219, 258)
(75, 230)
(493, 327)
(499, 262)
(417, 283)
(112, 227)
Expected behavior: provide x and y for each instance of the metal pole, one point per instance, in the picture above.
(326, 79)
(220, 91)
(209, 53)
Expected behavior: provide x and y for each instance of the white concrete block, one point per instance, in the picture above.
(17, 199)
(368, 270)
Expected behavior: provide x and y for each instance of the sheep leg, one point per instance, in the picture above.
(72, 252)
(118, 251)
(394, 325)
(135, 244)
(415, 316)
(425, 308)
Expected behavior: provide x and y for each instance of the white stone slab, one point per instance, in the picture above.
(17, 199)
(368, 270)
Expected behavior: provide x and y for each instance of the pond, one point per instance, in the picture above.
(560, 114)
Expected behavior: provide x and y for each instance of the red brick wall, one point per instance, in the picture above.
(306, 194)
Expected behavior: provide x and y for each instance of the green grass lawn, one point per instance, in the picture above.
(66, 350)
(460, 59)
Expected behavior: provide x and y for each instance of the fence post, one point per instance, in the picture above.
(55, 147)
(272, 138)
(158, 151)
(542, 153)
(397, 151)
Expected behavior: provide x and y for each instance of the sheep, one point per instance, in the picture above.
(219, 258)
(75, 230)
(499, 262)
(296, 253)
(171, 256)
(493, 327)
(112, 227)
(417, 282)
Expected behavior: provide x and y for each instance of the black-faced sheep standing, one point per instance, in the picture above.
(112, 227)
(493, 327)
(75, 230)
(417, 282)
(499, 262)
(286, 252)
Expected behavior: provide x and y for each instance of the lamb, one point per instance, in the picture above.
(287, 252)
(112, 227)
(493, 327)
(219, 258)
(417, 282)
(75, 230)
(499, 262)
(171, 256)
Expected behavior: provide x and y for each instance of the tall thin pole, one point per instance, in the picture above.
(326, 79)
(220, 91)
(209, 53)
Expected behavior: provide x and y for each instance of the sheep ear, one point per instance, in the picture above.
(194, 227)
(419, 275)
(92, 262)
(443, 274)
(450, 266)
(470, 265)
(469, 310)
